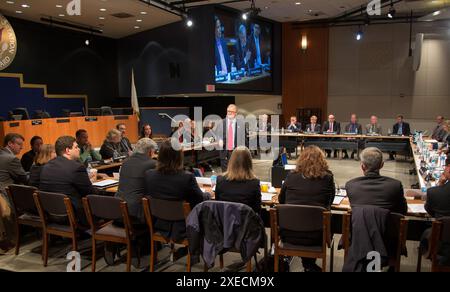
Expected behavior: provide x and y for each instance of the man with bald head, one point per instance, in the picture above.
(331, 127)
(374, 128)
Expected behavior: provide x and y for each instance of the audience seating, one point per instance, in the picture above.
(169, 211)
(397, 230)
(58, 218)
(299, 218)
(24, 209)
(110, 209)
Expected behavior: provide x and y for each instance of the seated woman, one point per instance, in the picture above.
(170, 182)
(311, 184)
(111, 147)
(146, 132)
(46, 153)
(239, 184)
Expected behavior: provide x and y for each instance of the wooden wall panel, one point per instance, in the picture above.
(50, 129)
(305, 74)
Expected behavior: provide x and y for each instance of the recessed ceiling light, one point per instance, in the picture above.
(19, 12)
(25, 6)
(298, 3)
(436, 13)
(143, 13)
(58, 6)
(103, 9)
(137, 27)
(10, 2)
(101, 18)
(138, 20)
(61, 15)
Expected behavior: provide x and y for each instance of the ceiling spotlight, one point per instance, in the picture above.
(359, 34)
(251, 12)
(391, 12)
(189, 22)
(87, 42)
(244, 16)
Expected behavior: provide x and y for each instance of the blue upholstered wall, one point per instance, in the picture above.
(13, 96)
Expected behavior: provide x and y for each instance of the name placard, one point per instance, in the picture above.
(62, 121)
(91, 119)
(36, 122)
(117, 118)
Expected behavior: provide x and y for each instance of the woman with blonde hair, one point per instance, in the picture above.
(310, 184)
(46, 153)
(239, 184)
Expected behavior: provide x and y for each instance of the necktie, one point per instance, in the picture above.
(331, 128)
(230, 136)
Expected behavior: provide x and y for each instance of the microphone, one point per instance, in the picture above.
(164, 115)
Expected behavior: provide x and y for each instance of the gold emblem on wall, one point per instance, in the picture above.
(8, 43)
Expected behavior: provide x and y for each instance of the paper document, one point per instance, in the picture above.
(417, 208)
(289, 167)
(267, 197)
(338, 200)
(105, 183)
(204, 181)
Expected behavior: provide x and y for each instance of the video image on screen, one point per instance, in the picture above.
(242, 50)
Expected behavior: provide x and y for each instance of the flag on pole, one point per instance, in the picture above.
(134, 98)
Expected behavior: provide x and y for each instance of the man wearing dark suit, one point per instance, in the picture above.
(294, 126)
(125, 143)
(223, 63)
(132, 176)
(245, 53)
(352, 128)
(262, 52)
(438, 132)
(401, 128)
(28, 158)
(438, 198)
(313, 126)
(373, 189)
(233, 135)
(11, 172)
(331, 127)
(66, 175)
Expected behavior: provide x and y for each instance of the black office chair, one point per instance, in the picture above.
(106, 111)
(21, 111)
(66, 112)
(40, 114)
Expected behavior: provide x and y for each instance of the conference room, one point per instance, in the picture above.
(251, 136)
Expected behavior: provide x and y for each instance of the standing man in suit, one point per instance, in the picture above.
(401, 128)
(372, 189)
(132, 176)
(354, 128)
(438, 132)
(66, 175)
(294, 126)
(223, 63)
(232, 131)
(373, 127)
(331, 127)
(313, 126)
(11, 172)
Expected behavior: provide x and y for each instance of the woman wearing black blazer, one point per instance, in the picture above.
(46, 153)
(170, 182)
(311, 184)
(239, 184)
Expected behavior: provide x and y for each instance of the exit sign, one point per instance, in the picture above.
(210, 88)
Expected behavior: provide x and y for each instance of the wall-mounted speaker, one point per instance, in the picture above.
(417, 54)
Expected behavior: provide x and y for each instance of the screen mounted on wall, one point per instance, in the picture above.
(243, 52)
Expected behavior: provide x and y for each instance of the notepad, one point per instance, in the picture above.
(417, 208)
(289, 167)
(338, 200)
(105, 183)
(204, 181)
(267, 197)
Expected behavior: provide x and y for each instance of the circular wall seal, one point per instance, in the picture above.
(8, 43)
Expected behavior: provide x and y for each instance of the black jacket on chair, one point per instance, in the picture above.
(376, 190)
(132, 182)
(67, 177)
(438, 201)
(181, 186)
(245, 192)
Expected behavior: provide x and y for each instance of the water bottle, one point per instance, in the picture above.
(233, 67)
(282, 130)
(389, 132)
(213, 179)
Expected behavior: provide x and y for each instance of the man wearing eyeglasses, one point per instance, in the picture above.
(231, 135)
